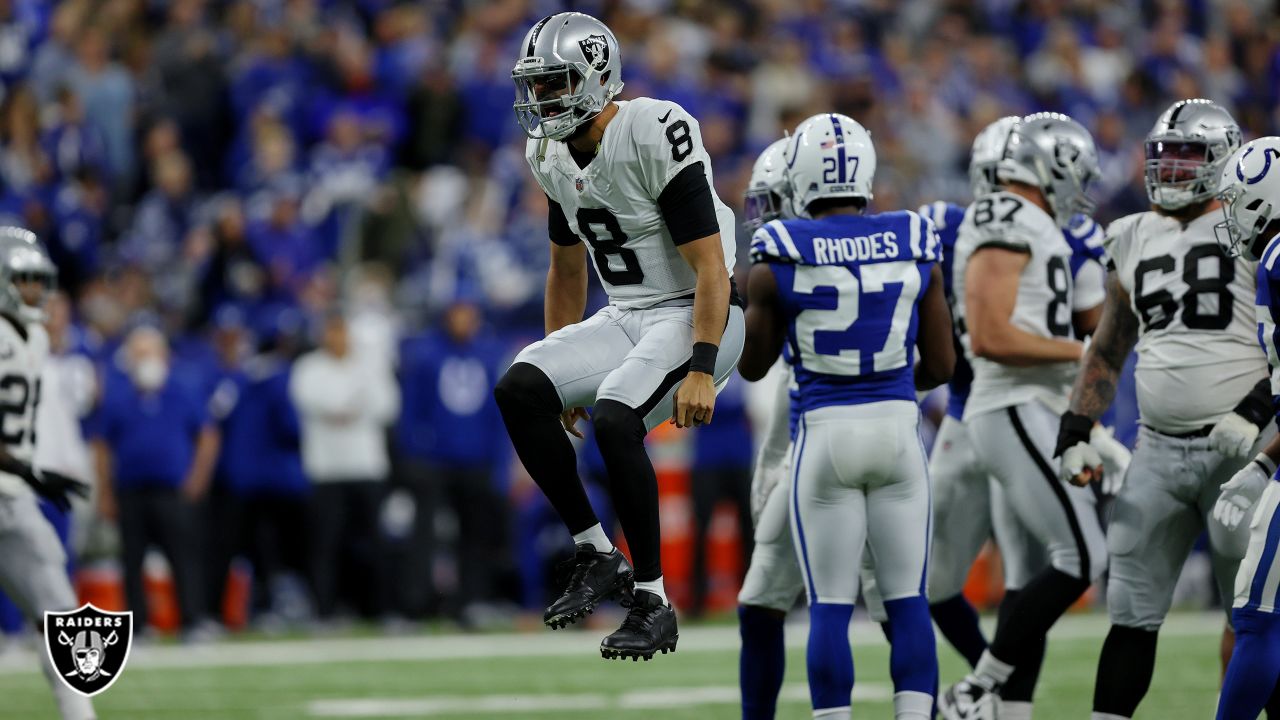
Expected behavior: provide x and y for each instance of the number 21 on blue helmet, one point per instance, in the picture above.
(1250, 195)
(830, 157)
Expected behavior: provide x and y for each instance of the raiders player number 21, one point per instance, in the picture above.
(628, 183)
(32, 562)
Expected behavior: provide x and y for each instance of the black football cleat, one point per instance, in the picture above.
(593, 577)
(650, 627)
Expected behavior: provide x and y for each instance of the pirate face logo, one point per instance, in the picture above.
(89, 647)
(595, 48)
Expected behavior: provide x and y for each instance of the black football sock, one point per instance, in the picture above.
(531, 410)
(1124, 670)
(1033, 612)
(958, 622)
(1021, 685)
(633, 486)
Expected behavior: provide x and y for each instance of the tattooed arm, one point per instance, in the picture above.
(1114, 339)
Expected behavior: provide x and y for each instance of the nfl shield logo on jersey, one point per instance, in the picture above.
(88, 647)
(578, 183)
(596, 50)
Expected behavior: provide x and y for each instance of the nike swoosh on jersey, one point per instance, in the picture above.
(663, 119)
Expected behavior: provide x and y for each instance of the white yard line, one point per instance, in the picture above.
(536, 644)
(651, 699)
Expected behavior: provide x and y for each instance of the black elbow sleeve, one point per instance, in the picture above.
(688, 206)
(558, 225)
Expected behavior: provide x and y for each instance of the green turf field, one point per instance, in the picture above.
(544, 675)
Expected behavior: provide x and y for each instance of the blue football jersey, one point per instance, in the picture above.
(850, 287)
(946, 218)
(1268, 311)
(1086, 240)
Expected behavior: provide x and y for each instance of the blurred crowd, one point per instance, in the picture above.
(298, 240)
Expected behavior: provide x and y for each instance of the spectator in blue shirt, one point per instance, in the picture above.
(71, 143)
(155, 450)
(106, 89)
(165, 216)
(721, 471)
(450, 435)
(260, 471)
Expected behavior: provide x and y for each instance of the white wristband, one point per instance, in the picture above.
(1267, 463)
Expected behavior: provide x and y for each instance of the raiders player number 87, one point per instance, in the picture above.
(629, 184)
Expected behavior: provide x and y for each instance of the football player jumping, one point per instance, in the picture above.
(628, 183)
(1250, 501)
(1188, 308)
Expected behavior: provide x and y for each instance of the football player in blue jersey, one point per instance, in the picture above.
(853, 296)
(1250, 501)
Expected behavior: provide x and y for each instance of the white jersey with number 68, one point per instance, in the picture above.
(612, 203)
(1197, 342)
(1044, 303)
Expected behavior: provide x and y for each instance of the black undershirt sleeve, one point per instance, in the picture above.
(558, 225)
(687, 206)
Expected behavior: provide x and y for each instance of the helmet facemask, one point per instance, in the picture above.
(989, 147)
(1247, 223)
(33, 289)
(761, 205)
(983, 179)
(550, 101)
(1181, 172)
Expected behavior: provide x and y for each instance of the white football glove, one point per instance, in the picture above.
(1078, 457)
(1233, 436)
(766, 477)
(1115, 458)
(1235, 503)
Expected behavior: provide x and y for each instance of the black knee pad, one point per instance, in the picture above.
(525, 388)
(615, 422)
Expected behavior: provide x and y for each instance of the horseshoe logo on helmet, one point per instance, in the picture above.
(1267, 154)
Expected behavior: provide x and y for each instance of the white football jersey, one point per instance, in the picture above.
(1197, 345)
(68, 389)
(1043, 307)
(23, 349)
(612, 204)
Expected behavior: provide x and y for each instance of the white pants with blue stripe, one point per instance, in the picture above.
(1258, 579)
(860, 479)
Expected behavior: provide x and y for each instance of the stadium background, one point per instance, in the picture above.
(234, 172)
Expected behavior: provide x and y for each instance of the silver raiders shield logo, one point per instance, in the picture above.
(88, 647)
(595, 48)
